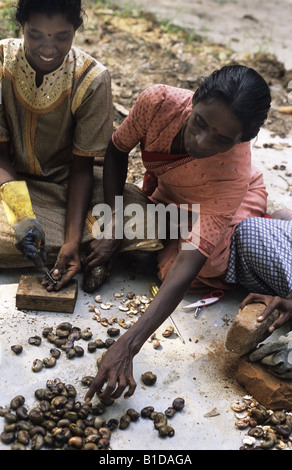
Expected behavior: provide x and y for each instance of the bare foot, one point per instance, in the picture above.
(283, 214)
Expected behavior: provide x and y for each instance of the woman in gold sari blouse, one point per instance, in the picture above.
(55, 118)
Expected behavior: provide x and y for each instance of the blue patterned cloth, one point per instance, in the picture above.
(261, 256)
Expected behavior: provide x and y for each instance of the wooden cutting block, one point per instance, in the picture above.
(31, 295)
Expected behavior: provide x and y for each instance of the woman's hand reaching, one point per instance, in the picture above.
(115, 369)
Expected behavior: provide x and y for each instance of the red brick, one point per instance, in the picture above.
(268, 390)
(245, 332)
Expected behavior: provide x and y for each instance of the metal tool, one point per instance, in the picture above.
(154, 289)
(176, 328)
(38, 261)
(208, 299)
(47, 273)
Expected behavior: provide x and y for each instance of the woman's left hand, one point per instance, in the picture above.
(67, 265)
(283, 305)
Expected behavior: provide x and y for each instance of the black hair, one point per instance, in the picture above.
(72, 8)
(244, 91)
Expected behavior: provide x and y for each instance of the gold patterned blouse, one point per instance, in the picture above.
(69, 114)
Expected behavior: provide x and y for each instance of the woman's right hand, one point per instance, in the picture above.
(115, 368)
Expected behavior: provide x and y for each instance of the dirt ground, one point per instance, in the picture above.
(245, 26)
(140, 50)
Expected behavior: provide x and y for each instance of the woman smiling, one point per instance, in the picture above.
(55, 119)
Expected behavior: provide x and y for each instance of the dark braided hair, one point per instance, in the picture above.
(72, 8)
(244, 91)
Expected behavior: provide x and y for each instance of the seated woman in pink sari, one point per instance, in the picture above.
(196, 150)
